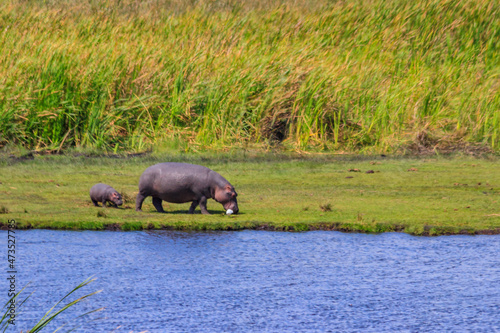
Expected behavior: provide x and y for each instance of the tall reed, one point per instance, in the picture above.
(350, 75)
(6, 320)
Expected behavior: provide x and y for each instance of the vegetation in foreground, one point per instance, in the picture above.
(334, 75)
(421, 196)
(6, 320)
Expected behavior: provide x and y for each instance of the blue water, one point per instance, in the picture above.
(256, 281)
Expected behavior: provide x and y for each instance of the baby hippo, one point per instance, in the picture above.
(103, 193)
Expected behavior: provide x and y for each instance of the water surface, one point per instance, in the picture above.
(257, 281)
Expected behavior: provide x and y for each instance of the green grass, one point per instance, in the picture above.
(435, 195)
(344, 75)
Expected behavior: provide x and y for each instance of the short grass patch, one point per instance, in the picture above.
(438, 196)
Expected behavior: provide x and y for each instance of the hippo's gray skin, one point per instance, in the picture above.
(103, 193)
(182, 182)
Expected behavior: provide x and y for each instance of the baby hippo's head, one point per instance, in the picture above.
(116, 198)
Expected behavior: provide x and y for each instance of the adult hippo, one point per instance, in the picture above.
(183, 182)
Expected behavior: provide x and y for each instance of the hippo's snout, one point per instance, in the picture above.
(233, 205)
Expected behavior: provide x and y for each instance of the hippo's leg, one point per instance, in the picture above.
(157, 204)
(138, 201)
(193, 207)
(105, 203)
(203, 206)
(95, 203)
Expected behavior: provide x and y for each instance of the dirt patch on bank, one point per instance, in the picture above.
(425, 143)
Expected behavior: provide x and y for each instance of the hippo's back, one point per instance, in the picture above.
(177, 167)
(99, 189)
(172, 177)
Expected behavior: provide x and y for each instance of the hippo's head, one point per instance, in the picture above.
(116, 198)
(227, 197)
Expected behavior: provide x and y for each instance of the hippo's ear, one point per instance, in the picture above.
(230, 190)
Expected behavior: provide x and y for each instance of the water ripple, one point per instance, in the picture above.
(256, 281)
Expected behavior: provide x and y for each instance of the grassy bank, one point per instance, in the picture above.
(346, 75)
(419, 196)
